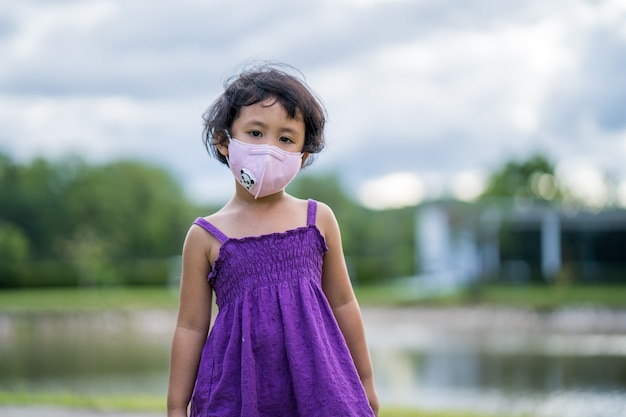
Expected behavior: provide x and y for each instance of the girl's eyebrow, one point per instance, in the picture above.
(261, 124)
(255, 123)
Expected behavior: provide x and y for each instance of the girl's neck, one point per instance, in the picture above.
(243, 198)
(244, 216)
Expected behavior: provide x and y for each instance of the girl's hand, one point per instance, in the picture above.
(372, 397)
(177, 413)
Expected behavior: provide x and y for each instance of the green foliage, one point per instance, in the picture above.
(145, 272)
(50, 272)
(69, 223)
(128, 196)
(14, 248)
(533, 178)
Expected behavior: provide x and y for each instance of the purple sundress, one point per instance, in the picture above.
(275, 348)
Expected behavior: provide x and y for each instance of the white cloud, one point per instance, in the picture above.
(476, 80)
(41, 24)
(585, 183)
(101, 128)
(468, 185)
(370, 3)
(395, 190)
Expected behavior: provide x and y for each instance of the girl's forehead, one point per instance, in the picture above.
(270, 107)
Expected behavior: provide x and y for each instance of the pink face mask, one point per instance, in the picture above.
(262, 169)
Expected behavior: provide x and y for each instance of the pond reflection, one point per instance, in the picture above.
(439, 360)
(114, 352)
(493, 381)
(420, 360)
(507, 372)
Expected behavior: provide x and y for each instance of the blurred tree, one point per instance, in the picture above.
(138, 210)
(8, 187)
(125, 215)
(40, 201)
(98, 224)
(14, 254)
(91, 258)
(533, 178)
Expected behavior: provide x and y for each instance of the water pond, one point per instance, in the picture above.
(566, 364)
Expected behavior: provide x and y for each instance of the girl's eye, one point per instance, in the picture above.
(285, 139)
(256, 133)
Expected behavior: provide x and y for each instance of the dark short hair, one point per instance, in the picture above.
(257, 84)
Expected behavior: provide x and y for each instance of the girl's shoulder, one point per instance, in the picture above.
(323, 212)
(206, 237)
(325, 219)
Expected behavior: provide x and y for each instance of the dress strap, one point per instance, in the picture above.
(203, 223)
(311, 213)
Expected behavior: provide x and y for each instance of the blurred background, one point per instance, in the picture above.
(475, 162)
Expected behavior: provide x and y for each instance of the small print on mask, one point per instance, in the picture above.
(247, 179)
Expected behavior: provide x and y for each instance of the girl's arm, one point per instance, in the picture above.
(194, 318)
(338, 289)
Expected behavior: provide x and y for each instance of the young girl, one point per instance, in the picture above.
(288, 339)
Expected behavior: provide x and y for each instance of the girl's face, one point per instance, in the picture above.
(267, 123)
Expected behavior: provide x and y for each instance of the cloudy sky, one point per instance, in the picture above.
(423, 96)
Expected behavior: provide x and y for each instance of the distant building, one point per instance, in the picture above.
(519, 242)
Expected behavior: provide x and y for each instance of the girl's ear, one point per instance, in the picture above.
(305, 155)
(222, 148)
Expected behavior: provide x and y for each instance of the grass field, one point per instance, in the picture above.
(157, 404)
(73, 299)
(534, 297)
